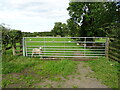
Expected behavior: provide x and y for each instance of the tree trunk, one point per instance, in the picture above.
(4, 49)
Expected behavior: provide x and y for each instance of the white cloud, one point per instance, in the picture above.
(33, 15)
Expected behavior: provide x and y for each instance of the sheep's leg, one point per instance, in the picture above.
(40, 55)
(32, 54)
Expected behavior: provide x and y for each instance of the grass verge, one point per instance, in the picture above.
(106, 71)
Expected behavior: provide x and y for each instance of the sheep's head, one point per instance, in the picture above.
(40, 48)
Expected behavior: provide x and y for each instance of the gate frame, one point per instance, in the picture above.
(105, 43)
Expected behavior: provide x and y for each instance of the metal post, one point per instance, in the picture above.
(25, 47)
(64, 48)
(44, 47)
(23, 44)
(84, 45)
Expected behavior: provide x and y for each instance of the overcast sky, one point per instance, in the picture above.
(33, 15)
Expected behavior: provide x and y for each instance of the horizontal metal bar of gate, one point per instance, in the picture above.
(72, 51)
(64, 42)
(67, 54)
(65, 46)
(64, 37)
(67, 49)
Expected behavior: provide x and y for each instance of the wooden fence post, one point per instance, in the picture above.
(107, 48)
(21, 47)
(13, 49)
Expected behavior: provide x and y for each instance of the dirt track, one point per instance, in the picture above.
(79, 80)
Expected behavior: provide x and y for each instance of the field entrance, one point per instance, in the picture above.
(65, 47)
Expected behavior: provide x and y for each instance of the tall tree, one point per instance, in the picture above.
(93, 17)
(5, 36)
(10, 37)
(60, 29)
(73, 28)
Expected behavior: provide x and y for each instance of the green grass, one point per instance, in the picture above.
(56, 68)
(57, 79)
(106, 71)
(35, 68)
(100, 40)
(14, 64)
(74, 86)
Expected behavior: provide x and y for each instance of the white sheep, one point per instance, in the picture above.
(37, 51)
(78, 44)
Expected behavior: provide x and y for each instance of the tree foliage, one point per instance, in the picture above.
(10, 37)
(73, 28)
(92, 18)
(5, 35)
(60, 29)
(15, 36)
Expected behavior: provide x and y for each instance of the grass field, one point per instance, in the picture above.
(20, 71)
